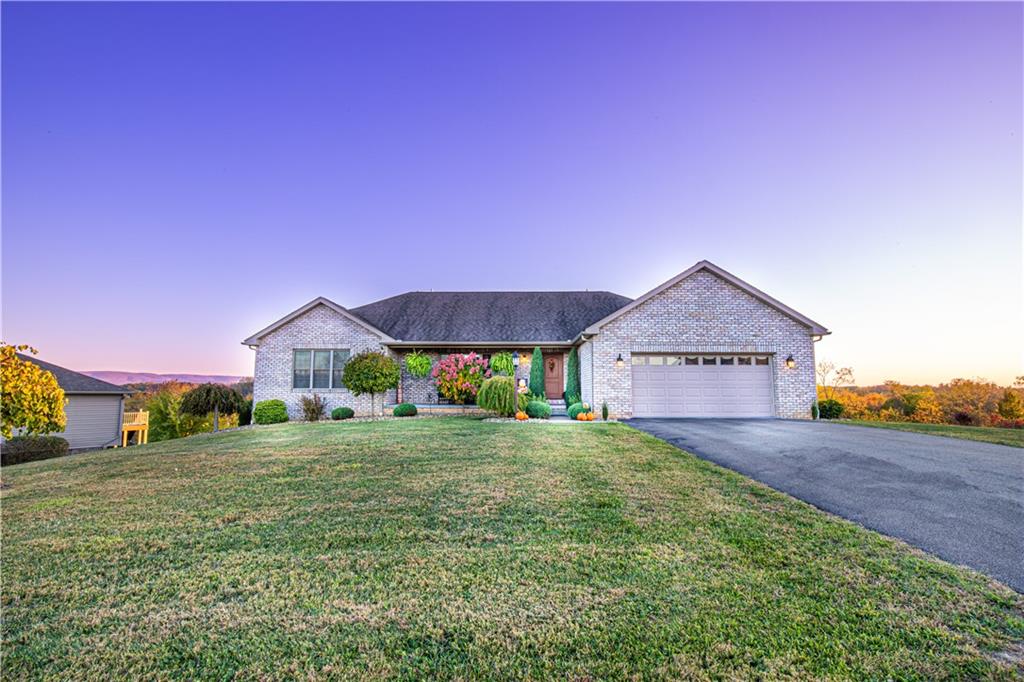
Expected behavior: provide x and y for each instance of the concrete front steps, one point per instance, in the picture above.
(557, 408)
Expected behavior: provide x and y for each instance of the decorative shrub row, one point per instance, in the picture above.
(538, 409)
(270, 412)
(405, 410)
(32, 448)
(339, 413)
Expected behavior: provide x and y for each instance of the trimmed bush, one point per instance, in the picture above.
(830, 409)
(498, 395)
(313, 407)
(501, 363)
(245, 413)
(572, 378)
(604, 411)
(418, 364)
(535, 409)
(537, 373)
(814, 410)
(404, 410)
(577, 408)
(270, 412)
(32, 448)
(339, 413)
(372, 373)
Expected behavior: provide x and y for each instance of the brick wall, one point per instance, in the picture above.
(319, 328)
(701, 314)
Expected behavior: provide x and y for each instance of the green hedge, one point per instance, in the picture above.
(576, 409)
(339, 413)
(269, 412)
(32, 448)
(830, 409)
(404, 410)
(536, 409)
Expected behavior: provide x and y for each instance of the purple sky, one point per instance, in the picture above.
(176, 176)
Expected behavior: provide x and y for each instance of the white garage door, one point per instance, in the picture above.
(702, 386)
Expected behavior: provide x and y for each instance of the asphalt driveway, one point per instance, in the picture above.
(960, 500)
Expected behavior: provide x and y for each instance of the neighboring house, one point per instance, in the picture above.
(94, 408)
(703, 344)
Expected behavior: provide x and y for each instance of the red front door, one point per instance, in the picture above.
(554, 381)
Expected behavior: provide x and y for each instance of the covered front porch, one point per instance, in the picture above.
(422, 390)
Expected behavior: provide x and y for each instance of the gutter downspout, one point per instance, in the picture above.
(817, 408)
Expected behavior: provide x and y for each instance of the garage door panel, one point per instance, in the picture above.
(709, 389)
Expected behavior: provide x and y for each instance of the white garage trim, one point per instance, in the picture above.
(703, 385)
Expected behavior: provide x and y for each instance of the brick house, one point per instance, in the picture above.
(703, 344)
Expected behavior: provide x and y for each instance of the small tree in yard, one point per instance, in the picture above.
(207, 398)
(371, 373)
(32, 401)
(537, 373)
(572, 380)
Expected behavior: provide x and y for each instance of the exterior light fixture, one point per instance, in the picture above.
(515, 358)
(790, 362)
(619, 362)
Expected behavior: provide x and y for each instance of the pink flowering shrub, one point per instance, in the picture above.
(458, 377)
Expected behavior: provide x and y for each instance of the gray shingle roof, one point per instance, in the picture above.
(474, 316)
(73, 382)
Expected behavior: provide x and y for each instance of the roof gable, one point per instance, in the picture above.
(254, 340)
(76, 382)
(813, 327)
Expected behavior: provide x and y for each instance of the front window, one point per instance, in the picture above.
(318, 368)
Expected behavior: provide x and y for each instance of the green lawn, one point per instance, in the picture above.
(457, 548)
(987, 434)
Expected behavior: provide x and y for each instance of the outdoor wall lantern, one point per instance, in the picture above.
(790, 362)
(515, 359)
(619, 362)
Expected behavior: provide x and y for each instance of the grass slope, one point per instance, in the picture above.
(985, 434)
(462, 549)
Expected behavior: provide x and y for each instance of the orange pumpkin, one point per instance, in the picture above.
(522, 416)
(581, 417)
(590, 416)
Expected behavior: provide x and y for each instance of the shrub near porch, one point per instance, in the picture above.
(454, 548)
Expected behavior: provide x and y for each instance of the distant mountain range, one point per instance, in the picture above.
(122, 378)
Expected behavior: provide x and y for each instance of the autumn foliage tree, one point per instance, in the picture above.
(32, 400)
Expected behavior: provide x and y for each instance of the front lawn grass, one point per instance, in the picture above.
(986, 434)
(456, 548)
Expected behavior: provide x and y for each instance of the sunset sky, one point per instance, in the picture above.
(177, 176)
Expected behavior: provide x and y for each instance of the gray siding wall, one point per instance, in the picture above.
(93, 421)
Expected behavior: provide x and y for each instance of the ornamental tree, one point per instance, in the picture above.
(458, 377)
(207, 398)
(372, 373)
(537, 373)
(572, 379)
(32, 401)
